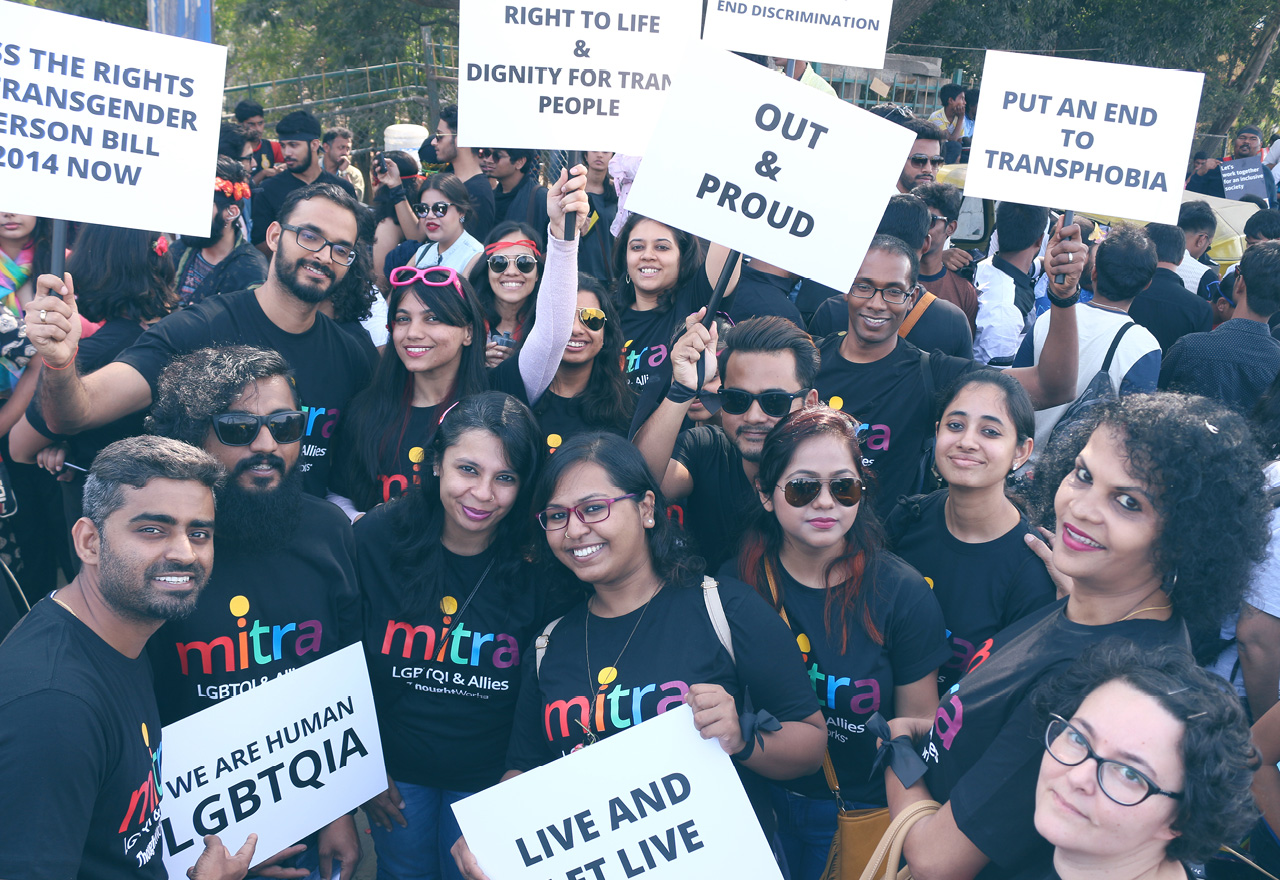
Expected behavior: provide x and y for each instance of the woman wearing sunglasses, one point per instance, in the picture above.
(506, 280)
(1146, 768)
(1136, 485)
(866, 621)
(969, 539)
(443, 203)
(646, 630)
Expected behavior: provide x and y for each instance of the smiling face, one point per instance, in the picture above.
(423, 341)
(311, 275)
(874, 323)
(653, 257)
(584, 344)
(1123, 724)
(819, 526)
(478, 486)
(264, 463)
(512, 286)
(1247, 145)
(444, 230)
(977, 444)
(612, 551)
(757, 372)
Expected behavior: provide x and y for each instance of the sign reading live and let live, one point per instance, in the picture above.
(104, 124)
(1084, 135)
(761, 179)
(657, 800)
(580, 77)
(281, 760)
(1244, 177)
(831, 31)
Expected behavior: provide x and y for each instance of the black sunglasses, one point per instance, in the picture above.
(919, 160)
(438, 208)
(802, 490)
(498, 263)
(241, 429)
(777, 404)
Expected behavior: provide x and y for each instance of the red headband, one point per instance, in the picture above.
(499, 245)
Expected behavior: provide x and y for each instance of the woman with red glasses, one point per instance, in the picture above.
(869, 627)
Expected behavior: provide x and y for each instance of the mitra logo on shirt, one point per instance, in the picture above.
(863, 699)
(460, 645)
(250, 646)
(623, 707)
(649, 356)
(141, 823)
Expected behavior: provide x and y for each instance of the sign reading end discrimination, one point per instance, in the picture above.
(105, 124)
(834, 31)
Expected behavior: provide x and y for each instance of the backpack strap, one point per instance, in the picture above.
(540, 645)
(1115, 343)
(922, 306)
(715, 610)
(420, 253)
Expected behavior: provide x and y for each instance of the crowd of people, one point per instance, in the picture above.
(986, 518)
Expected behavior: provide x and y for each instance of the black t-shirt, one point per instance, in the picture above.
(595, 253)
(80, 736)
(329, 364)
(264, 156)
(648, 334)
(262, 614)
(941, 327)
(888, 397)
(402, 467)
(559, 418)
(268, 200)
(480, 219)
(723, 499)
(982, 588)
(853, 684)
(1169, 310)
(445, 699)
(758, 294)
(985, 747)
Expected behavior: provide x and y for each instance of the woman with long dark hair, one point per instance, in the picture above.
(506, 280)
(862, 616)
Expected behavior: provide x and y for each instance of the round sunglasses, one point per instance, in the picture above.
(802, 490)
(241, 429)
(524, 263)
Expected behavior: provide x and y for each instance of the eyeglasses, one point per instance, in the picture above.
(596, 510)
(486, 153)
(241, 429)
(592, 319)
(437, 208)
(802, 490)
(895, 295)
(1120, 782)
(525, 263)
(342, 254)
(772, 403)
(405, 275)
(919, 160)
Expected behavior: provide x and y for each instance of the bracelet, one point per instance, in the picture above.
(64, 366)
(680, 393)
(1063, 302)
(397, 194)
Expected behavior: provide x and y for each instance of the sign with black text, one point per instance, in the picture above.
(281, 760)
(781, 171)
(107, 124)
(657, 800)
(1083, 135)
(1244, 177)
(568, 78)
(831, 31)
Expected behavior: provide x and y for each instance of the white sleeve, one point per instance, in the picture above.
(1000, 326)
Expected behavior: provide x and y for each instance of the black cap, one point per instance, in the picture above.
(298, 126)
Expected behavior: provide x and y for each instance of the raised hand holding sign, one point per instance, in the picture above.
(53, 321)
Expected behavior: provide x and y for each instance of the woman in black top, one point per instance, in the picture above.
(506, 280)
(1160, 516)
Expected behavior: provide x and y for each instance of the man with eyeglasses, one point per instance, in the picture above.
(516, 193)
(466, 167)
(282, 592)
(316, 254)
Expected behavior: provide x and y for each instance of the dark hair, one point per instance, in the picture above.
(893, 245)
(453, 189)
(673, 561)
(333, 134)
(1266, 420)
(1124, 263)
(1263, 224)
(971, 101)
(530, 157)
(231, 171)
(851, 597)
(41, 242)
(905, 217)
(1169, 240)
(417, 517)
(1195, 217)
(1202, 465)
(231, 141)
(691, 261)
(1016, 400)
(508, 230)
(135, 461)
(942, 197)
(923, 129)
(771, 334)
(1020, 226)
(354, 287)
(449, 115)
(384, 207)
(118, 274)
(405, 163)
(1260, 270)
(949, 92)
(1216, 749)
(247, 109)
(1255, 200)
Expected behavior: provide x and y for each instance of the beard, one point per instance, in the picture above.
(200, 243)
(290, 277)
(302, 165)
(259, 519)
(145, 604)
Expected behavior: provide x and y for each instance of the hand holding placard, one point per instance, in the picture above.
(53, 321)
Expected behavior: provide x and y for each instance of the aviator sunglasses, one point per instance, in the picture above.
(919, 160)
(524, 263)
(592, 319)
(241, 429)
(777, 404)
(802, 490)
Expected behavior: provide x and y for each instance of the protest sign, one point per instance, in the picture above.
(107, 124)
(781, 171)
(657, 800)
(833, 31)
(568, 78)
(1084, 135)
(1244, 177)
(281, 760)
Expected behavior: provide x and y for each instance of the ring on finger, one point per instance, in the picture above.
(43, 312)
(1071, 258)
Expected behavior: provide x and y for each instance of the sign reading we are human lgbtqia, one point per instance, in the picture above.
(590, 77)
(281, 760)
(657, 800)
(1084, 135)
(104, 124)
(832, 31)
(763, 178)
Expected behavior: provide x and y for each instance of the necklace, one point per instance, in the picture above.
(448, 611)
(54, 597)
(1149, 608)
(607, 674)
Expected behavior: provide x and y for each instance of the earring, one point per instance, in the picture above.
(1170, 581)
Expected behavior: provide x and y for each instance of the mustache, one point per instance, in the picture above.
(257, 459)
(304, 263)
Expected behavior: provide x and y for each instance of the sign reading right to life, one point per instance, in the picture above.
(1084, 135)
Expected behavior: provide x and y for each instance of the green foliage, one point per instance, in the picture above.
(127, 12)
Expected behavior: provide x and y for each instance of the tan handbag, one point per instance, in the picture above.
(887, 856)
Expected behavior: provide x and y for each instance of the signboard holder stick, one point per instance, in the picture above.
(57, 259)
(1067, 219)
(730, 263)
(571, 217)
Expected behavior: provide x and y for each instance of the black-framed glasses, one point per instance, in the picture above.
(895, 295)
(592, 319)
(525, 263)
(596, 510)
(1125, 785)
(777, 404)
(919, 160)
(241, 429)
(439, 209)
(802, 490)
(486, 153)
(934, 218)
(342, 254)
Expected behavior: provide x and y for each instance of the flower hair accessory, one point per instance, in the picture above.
(161, 245)
(499, 245)
(237, 192)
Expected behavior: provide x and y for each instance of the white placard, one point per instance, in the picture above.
(657, 799)
(568, 78)
(107, 124)
(281, 760)
(831, 31)
(781, 171)
(1084, 135)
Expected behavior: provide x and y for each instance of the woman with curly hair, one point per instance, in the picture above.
(506, 280)
(1136, 485)
(1146, 768)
